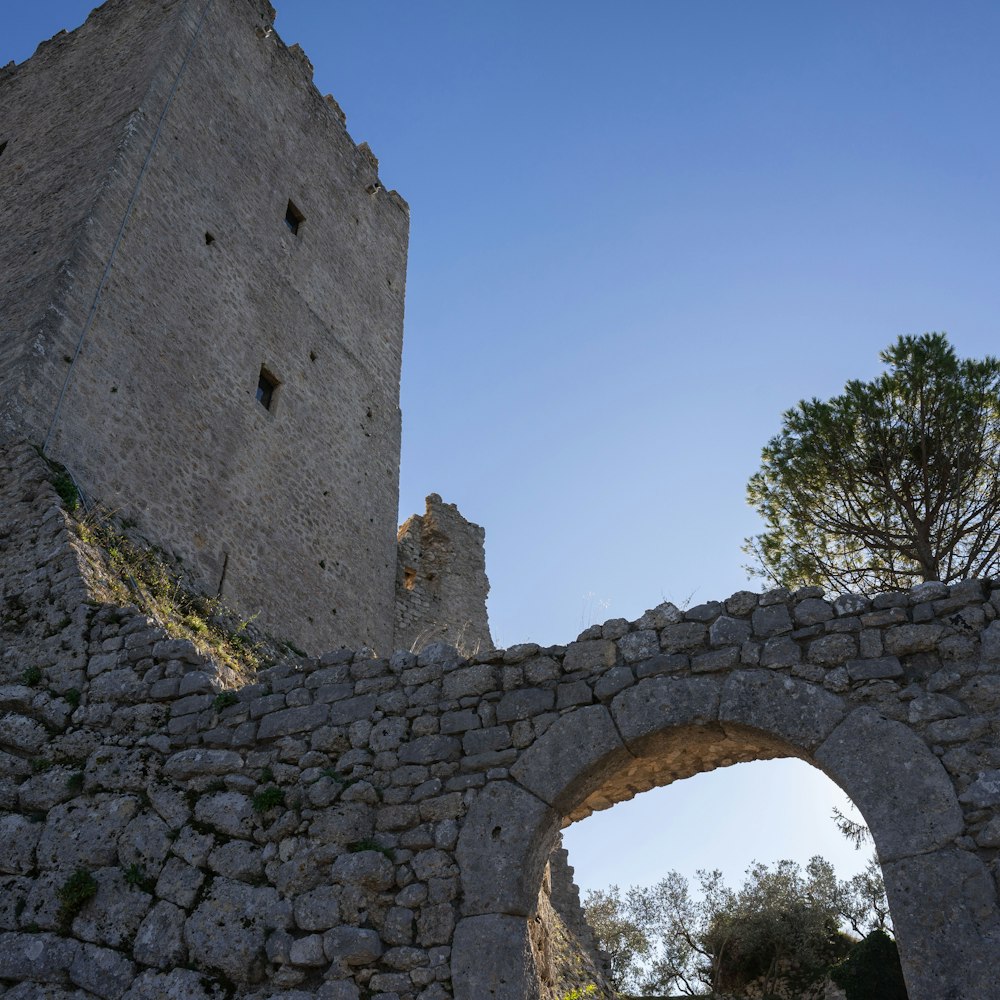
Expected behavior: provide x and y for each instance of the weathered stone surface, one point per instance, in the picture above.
(145, 842)
(466, 681)
(45, 958)
(230, 813)
(509, 974)
(228, 929)
(114, 914)
(318, 910)
(18, 837)
(104, 972)
(905, 639)
(725, 631)
(801, 714)
(990, 637)
(561, 769)
(872, 669)
(658, 703)
(505, 841)
(771, 620)
(84, 832)
(160, 939)
(590, 656)
(297, 720)
(959, 933)
(346, 946)
(885, 768)
(368, 869)
(518, 705)
(812, 611)
(984, 792)
(180, 984)
(641, 645)
(683, 637)
(191, 763)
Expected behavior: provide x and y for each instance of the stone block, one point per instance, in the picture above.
(159, 942)
(589, 656)
(509, 975)
(874, 669)
(578, 751)
(728, 631)
(659, 703)
(525, 703)
(799, 713)
(886, 769)
(505, 842)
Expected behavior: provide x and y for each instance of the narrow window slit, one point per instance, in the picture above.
(267, 386)
(293, 218)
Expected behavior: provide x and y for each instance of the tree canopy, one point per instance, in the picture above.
(894, 482)
(781, 931)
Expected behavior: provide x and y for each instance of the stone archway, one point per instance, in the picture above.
(664, 728)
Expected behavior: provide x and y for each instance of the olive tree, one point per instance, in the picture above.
(779, 931)
(894, 482)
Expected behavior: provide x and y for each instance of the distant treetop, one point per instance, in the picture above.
(894, 482)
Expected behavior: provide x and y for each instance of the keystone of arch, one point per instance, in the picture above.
(506, 839)
(901, 788)
(491, 959)
(656, 704)
(799, 713)
(573, 758)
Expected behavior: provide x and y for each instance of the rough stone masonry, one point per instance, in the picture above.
(352, 826)
(201, 306)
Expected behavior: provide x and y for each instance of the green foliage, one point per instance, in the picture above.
(224, 699)
(268, 799)
(143, 575)
(73, 895)
(580, 993)
(73, 697)
(66, 488)
(367, 844)
(31, 677)
(621, 932)
(136, 875)
(893, 482)
(779, 932)
(871, 970)
(75, 782)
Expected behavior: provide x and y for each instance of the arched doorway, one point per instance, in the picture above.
(663, 728)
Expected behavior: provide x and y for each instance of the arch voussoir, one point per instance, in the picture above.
(947, 901)
(797, 712)
(492, 959)
(653, 706)
(506, 839)
(889, 772)
(574, 757)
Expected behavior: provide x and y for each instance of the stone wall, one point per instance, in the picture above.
(349, 826)
(441, 584)
(148, 270)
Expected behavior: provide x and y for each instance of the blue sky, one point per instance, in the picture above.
(641, 230)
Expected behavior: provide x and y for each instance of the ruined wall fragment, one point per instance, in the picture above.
(441, 583)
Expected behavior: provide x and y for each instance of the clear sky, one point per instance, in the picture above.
(640, 230)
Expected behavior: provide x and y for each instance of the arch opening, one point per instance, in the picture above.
(666, 728)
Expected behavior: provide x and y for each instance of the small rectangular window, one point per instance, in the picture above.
(293, 218)
(3, 146)
(267, 386)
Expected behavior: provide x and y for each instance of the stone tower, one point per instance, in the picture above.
(201, 298)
